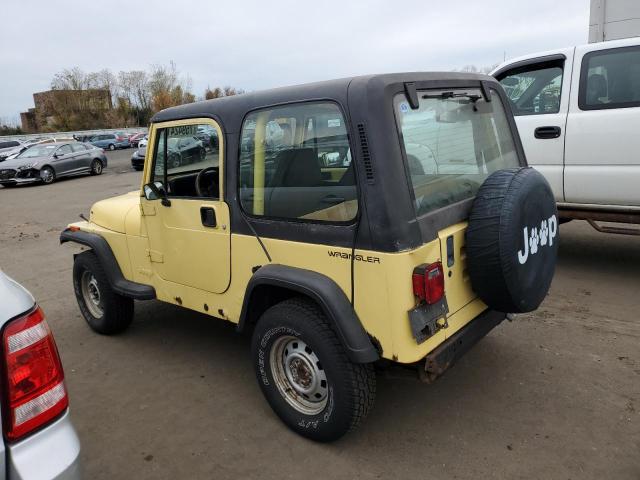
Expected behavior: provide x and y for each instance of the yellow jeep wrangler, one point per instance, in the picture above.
(347, 224)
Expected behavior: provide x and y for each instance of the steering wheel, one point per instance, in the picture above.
(199, 189)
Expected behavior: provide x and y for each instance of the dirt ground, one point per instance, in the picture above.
(553, 395)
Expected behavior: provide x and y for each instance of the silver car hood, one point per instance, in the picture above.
(15, 299)
(20, 162)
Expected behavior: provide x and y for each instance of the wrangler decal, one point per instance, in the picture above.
(357, 256)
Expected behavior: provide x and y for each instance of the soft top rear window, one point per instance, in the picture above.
(452, 142)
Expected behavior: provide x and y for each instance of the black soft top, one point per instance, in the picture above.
(387, 217)
(231, 110)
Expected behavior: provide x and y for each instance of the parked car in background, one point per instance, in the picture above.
(143, 141)
(135, 138)
(44, 163)
(110, 141)
(578, 114)
(137, 159)
(15, 151)
(7, 146)
(39, 438)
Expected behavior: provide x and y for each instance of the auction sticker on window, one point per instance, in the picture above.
(183, 131)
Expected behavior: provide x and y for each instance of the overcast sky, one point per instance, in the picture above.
(255, 44)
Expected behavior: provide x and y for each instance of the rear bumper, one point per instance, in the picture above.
(51, 453)
(448, 352)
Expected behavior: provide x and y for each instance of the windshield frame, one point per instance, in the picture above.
(435, 220)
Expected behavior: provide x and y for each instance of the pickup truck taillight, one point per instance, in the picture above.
(428, 282)
(34, 391)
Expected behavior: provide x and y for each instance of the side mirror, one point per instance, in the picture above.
(155, 191)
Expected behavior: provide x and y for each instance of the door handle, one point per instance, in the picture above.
(208, 217)
(332, 200)
(547, 132)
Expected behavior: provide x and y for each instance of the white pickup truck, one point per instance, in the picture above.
(578, 114)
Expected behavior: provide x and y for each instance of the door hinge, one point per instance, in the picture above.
(155, 256)
(147, 210)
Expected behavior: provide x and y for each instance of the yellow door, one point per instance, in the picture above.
(183, 207)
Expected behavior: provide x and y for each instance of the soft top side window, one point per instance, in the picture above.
(295, 163)
(187, 160)
(534, 89)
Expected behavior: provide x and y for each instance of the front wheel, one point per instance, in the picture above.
(105, 311)
(96, 167)
(47, 175)
(112, 147)
(305, 373)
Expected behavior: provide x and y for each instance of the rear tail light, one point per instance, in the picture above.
(34, 392)
(428, 282)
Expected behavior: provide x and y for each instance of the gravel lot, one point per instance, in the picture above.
(553, 395)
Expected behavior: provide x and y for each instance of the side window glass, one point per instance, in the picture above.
(78, 147)
(610, 79)
(187, 161)
(534, 90)
(64, 150)
(295, 163)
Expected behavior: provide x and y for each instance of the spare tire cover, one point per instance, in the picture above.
(512, 240)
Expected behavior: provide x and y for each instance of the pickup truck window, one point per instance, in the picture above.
(534, 90)
(610, 79)
(452, 142)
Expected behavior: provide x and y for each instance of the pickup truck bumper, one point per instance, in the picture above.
(446, 354)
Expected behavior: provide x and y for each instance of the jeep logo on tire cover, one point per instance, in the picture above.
(536, 238)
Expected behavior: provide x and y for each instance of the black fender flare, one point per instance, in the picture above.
(101, 248)
(327, 294)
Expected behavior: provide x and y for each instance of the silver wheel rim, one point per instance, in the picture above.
(46, 175)
(97, 168)
(299, 375)
(91, 293)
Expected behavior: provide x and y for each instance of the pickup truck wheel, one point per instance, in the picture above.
(305, 373)
(105, 311)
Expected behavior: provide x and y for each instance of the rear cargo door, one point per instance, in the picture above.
(457, 285)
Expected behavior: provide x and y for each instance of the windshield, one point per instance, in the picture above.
(38, 151)
(452, 142)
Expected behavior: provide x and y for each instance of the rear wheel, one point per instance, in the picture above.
(306, 375)
(105, 311)
(47, 175)
(96, 167)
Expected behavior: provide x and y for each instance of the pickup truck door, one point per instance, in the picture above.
(190, 239)
(602, 152)
(539, 92)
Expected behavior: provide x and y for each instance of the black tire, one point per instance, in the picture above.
(10, 185)
(96, 167)
(117, 311)
(47, 175)
(349, 388)
(138, 169)
(512, 240)
(112, 147)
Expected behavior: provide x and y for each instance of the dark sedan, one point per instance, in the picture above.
(137, 159)
(44, 163)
